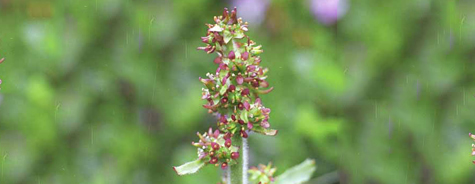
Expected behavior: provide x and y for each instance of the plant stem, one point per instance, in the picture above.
(245, 160)
(236, 170)
(228, 175)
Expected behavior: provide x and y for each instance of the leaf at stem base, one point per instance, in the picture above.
(189, 167)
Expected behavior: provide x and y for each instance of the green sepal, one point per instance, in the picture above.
(227, 36)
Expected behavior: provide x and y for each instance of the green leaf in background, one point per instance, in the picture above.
(189, 167)
(297, 174)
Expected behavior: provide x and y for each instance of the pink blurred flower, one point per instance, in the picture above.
(253, 11)
(329, 11)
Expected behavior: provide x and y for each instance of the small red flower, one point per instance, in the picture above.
(215, 146)
(235, 155)
(213, 160)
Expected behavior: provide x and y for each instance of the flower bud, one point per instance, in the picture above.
(205, 39)
(214, 145)
(223, 119)
(246, 105)
(249, 125)
(231, 55)
(245, 92)
(227, 136)
(218, 60)
(231, 88)
(233, 17)
(235, 155)
(227, 143)
(240, 106)
(255, 83)
(224, 165)
(241, 122)
(224, 100)
(244, 134)
(239, 79)
(213, 160)
(245, 56)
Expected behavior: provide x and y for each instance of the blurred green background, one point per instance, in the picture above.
(107, 91)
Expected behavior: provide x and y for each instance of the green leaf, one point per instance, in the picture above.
(227, 36)
(265, 131)
(189, 168)
(297, 174)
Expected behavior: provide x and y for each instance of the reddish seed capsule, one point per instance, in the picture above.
(240, 106)
(243, 134)
(223, 120)
(241, 122)
(231, 88)
(233, 117)
(227, 136)
(213, 160)
(224, 165)
(245, 92)
(215, 146)
(235, 155)
(224, 100)
(231, 55)
(227, 143)
(255, 83)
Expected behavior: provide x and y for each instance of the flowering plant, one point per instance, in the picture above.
(232, 95)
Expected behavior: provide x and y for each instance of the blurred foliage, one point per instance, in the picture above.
(107, 91)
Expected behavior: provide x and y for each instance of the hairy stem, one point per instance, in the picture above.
(228, 175)
(245, 160)
(236, 170)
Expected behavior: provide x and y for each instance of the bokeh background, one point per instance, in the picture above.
(107, 91)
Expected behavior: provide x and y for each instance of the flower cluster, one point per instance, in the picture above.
(263, 174)
(232, 92)
(216, 148)
(473, 145)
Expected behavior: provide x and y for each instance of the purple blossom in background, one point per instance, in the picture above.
(329, 11)
(253, 11)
